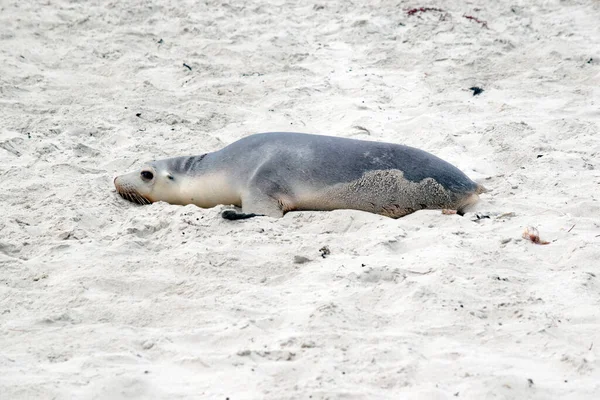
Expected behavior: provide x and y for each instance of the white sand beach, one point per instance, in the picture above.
(104, 299)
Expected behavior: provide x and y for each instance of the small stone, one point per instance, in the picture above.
(147, 345)
(325, 251)
(301, 260)
(476, 90)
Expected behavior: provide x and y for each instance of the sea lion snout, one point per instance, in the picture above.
(131, 188)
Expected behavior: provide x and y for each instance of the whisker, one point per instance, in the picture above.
(139, 199)
(133, 196)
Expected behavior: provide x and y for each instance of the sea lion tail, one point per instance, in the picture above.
(481, 189)
(470, 199)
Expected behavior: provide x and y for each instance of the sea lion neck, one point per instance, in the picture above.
(187, 164)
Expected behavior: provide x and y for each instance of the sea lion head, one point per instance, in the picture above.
(155, 181)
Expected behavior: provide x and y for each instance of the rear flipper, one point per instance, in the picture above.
(465, 203)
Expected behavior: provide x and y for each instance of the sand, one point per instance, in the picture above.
(103, 299)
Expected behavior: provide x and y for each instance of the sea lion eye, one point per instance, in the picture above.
(147, 175)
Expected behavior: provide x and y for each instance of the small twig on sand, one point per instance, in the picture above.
(422, 10)
(408, 271)
(472, 18)
(571, 228)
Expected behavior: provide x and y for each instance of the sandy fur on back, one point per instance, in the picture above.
(385, 192)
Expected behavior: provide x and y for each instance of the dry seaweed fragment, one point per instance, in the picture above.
(530, 233)
(422, 10)
(472, 18)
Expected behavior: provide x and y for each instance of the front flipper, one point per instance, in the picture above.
(265, 195)
(263, 200)
(256, 203)
(234, 216)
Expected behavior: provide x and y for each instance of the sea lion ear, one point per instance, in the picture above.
(170, 177)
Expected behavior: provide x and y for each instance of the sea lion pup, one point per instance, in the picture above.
(273, 173)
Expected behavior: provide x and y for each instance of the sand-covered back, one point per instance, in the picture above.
(104, 299)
